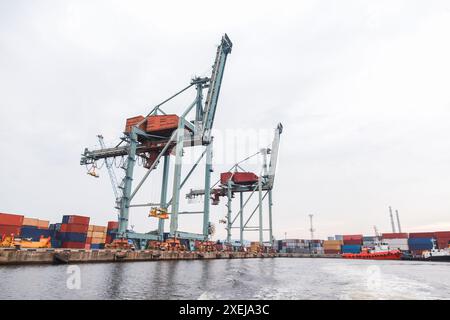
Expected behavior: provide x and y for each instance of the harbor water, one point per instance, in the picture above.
(278, 278)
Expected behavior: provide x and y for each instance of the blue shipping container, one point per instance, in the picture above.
(55, 243)
(96, 246)
(351, 248)
(420, 243)
(34, 233)
(71, 236)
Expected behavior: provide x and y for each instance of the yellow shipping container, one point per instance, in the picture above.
(30, 222)
(91, 227)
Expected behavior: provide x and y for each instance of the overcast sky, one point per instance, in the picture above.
(361, 87)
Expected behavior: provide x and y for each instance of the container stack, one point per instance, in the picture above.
(420, 241)
(352, 243)
(96, 237)
(34, 229)
(111, 231)
(54, 229)
(442, 239)
(297, 246)
(73, 231)
(397, 241)
(332, 246)
(10, 224)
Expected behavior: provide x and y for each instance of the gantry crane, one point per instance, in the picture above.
(243, 182)
(155, 137)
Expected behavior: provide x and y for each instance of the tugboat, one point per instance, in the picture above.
(436, 254)
(378, 252)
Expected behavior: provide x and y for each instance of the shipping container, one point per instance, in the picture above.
(97, 246)
(35, 233)
(9, 230)
(420, 243)
(396, 235)
(369, 238)
(99, 229)
(351, 249)
(353, 237)
(73, 245)
(243, 178)
(112, 225)
(71, 237)
(78, 228)
(353, 241)
(8, 219)
(74, 219)
(55, 243)
(442, 234)
(30, 222)
(421, 235)
(134, 121)
(339, 237)
(331, 251)
(158, 123)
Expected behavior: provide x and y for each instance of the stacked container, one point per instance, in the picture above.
(54, 229)
(332, 246)
(442, 239)
(34, 229)
(96, 237)
(111, 231)
(397, 241)
(10, 224)
(73, 231)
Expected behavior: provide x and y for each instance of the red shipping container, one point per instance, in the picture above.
(8, 230)
(113, 225)
(395, 235)
(73, 245)
(331, 251)
(88, 240)
(353, 241)
(78, 228)
(442, 234)
(74, 219)
(162, 122)
(238, 177)
(108, 239)
(133, 121)
(443, 243)
(7, 219)
(421, 235)
(87, 246)
(245, 178)
(353, 237)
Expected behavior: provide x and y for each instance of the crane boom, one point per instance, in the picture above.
(109, 166)
(274, 155)
(214, 87)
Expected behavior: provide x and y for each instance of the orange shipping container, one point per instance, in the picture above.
(98, 240)
(99, 229)
(30, 222)
(133, 121)
(43, 224)
(161, 122)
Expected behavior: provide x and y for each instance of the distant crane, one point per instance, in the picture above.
(398, 221)
(392, 219)
(311, 229)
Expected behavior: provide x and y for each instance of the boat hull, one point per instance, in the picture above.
(391, 255)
